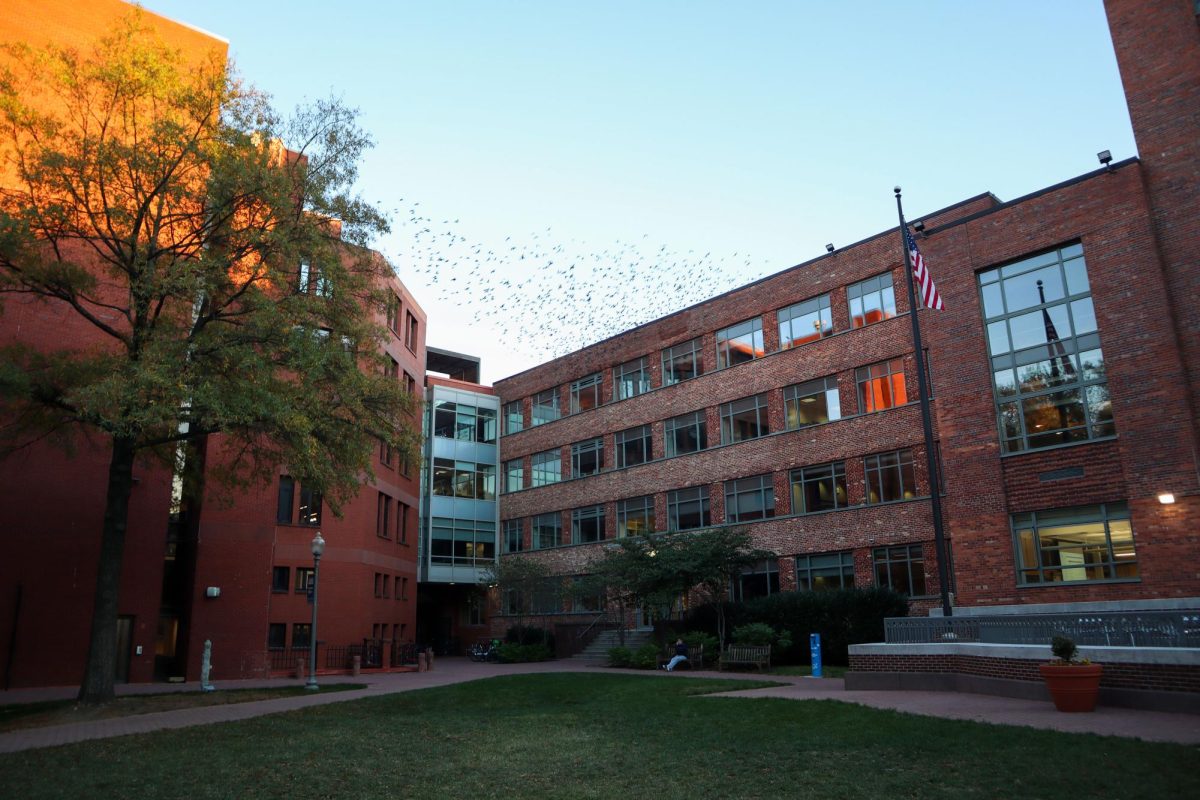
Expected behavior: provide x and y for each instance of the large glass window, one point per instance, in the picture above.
(587, 524)
(635, 516)
(514, 475)
(545, 407)
(805, 322)
(744, 419)
(464, 422)
(901, 568)
(685, 434)
(688, 509)
(681, 362)
(587, 457)
(881, 386)
(464, 479)
(812, 403)
(514, 417)
(1048, 370)
(760, 580)
(825, 571)
(547, 531)
(1084, 543)
(546, 468)
(585, 393)
(462, 541)
(633, 446)
(890, 477)
(872, 300)
(819, 488)
(749, 499)
(310, 506)
(741, 342)
(631, 379)
(514, 539)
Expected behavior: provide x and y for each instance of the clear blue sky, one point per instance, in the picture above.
(628, 150)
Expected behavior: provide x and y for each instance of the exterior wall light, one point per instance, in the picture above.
(1166, 498)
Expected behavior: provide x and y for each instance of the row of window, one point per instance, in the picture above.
(281, 582)
(408, 332)
(464, 422)
(462, 542)
(869, 301)
(391, 518)
(466, 479)
(879, 386)
(383, 586)
(888, 477)
(302, 633)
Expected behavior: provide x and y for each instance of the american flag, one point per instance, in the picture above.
(925, 285)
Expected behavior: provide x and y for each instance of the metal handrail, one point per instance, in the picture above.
(1179, 628)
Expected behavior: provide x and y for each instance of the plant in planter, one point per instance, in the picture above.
(1074, 683)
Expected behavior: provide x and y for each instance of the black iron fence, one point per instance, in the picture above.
(285, 657)
(1098, 629)
(403, 654)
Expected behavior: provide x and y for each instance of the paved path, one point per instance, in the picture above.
(1148, 725)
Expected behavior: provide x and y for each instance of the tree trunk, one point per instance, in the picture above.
(100, 672)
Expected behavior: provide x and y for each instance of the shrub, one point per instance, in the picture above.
(646, 656)
(510, 653)
(1064, 649)
(620, 656)
(694, 639)
(530, 634)
(758, 633)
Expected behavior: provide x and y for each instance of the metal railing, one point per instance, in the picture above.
(285, 657)
(1097, 629)
(403, 654)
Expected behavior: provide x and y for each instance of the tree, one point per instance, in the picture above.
(654, 570)
(517, 581)
(223, 280)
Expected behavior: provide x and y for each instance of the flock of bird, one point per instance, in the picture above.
(547, 297)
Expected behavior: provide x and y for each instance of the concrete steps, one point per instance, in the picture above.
(596, 653)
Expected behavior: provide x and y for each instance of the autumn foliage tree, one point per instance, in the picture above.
(224, 279)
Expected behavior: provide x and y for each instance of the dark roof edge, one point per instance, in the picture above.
(763, 279)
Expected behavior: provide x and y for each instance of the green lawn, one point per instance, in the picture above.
(585, 736)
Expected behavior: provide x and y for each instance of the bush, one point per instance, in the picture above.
(758, 633)
(694, 639)
(620, 656)
(510, 653)
(645, 657)
(530, 634)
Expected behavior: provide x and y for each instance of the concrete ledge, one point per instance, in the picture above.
(1174, 656)
(1168, 604)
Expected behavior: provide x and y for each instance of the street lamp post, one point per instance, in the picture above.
(318, 547)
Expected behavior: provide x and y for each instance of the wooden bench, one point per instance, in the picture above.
(695, 659)
(755, 655)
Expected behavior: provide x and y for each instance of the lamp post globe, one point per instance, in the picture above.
(318, 549)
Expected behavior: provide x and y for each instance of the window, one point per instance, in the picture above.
(410, 331)
(312, 281)
(871, 300)
(825, 572)
(304, 576)
(514, 602)
(547, 597)
(401, 522)
(404, 588)
(287, 495)
(587, 525)
(744, 419)
(633, 446)
(688, 509)
(585, 597)
(514, 417)
(749, 499)
(901, 568)
(281, 579)
(513, 536)
(1048, 371)
(514, 475)
(445, 416)
(881, 386)
(277, 635)
(393, 314)
(547, 531)
(310, 507)
(681, 362)
(635, 516)
(587, 457)
(685, 434)
(890, 477)
(379, 584)
(819, 488)
(631, 379)
(485, 425)
(465, 479)
(383, 516)
(759, 581)
(301, 634)
(739, 343)
(410, 384)
(473, 613)
(585, 393)
(545, 407)
(462, 541)
(812, 403)
(464, 422)
(805, 322)
(1084, 543)
(546, 468)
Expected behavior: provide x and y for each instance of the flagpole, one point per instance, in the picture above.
(935, 489)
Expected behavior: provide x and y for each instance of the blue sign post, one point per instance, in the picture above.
(814, 648)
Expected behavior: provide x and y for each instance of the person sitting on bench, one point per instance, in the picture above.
(681, 651)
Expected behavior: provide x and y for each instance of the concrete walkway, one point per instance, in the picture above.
(1147, 725)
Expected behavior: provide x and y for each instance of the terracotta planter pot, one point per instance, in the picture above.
(1073, 687)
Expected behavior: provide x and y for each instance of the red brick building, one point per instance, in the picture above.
(1065, 376)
